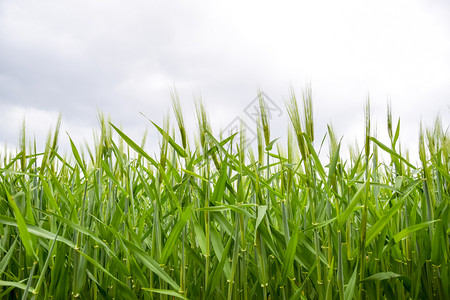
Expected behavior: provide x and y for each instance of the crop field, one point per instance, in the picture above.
(209, 218)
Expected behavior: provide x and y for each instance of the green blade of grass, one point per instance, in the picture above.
(378, 227)
(165, 292)
(350, 289)
(135, 146)
(150, 263)
(289, 256)
(177, 147)
(353, 202)
(25, 236)
(175, 235)
(407, 231)
(7, 257)
(123, 287)
(18, 285)
(215, 278)
(77, 156)
(391, 152)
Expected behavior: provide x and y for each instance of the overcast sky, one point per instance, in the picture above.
(123, 57)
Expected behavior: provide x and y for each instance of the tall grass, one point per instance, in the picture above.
(208, 219)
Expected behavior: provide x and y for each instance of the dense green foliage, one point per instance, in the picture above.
(214, 220)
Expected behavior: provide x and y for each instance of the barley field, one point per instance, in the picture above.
(209, 218)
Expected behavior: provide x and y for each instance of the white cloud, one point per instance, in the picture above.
(77, 56)
(37, 123)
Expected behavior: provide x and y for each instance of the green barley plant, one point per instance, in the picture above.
(209, 219)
